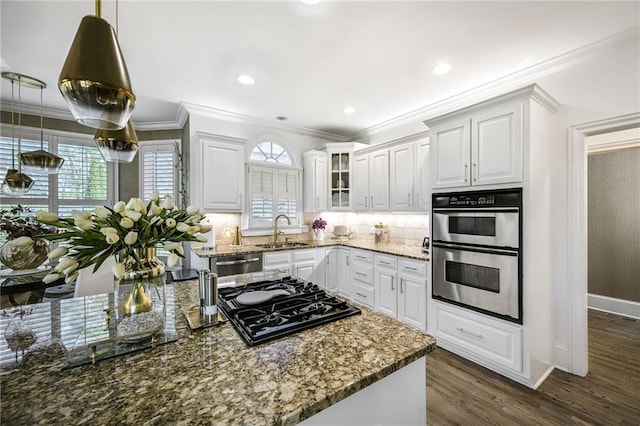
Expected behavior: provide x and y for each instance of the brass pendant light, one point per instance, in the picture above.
(118, 146)
(94, 80)
(15, 182)
(40, 160)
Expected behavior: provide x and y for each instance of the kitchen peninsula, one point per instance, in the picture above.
(211, 376)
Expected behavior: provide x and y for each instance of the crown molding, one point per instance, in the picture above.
(495, 88)
(254, 121)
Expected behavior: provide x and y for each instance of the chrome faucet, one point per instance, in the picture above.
(275, 228)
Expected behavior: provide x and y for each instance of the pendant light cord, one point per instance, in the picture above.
(41, 121)
(19, 124)
(13, 131)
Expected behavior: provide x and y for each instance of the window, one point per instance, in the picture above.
(273, 188)
(158, 168)
(84, 181)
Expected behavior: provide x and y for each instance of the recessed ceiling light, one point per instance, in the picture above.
(246, 79)
(311, 2)
(441, 68)
(281, 118)
(349, 110)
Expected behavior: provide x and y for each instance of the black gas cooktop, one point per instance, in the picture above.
(295, 306)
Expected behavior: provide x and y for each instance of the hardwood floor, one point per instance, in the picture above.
(461, 392)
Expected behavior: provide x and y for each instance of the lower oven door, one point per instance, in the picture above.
(486, 280)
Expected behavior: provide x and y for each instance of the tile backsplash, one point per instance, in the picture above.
(409, 229)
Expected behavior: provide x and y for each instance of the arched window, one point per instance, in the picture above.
(270, 152)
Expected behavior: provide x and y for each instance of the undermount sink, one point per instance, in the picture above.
(286, 244)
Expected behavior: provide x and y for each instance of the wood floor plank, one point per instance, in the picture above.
(460, 392)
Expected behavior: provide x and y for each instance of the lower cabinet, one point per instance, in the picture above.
(305, 264)
(386, 284)
(278, 261)
(337, 275)
(362, 281)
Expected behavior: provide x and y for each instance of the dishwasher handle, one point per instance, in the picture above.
(238, 261)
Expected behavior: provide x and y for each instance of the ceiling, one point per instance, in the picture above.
(309, 62)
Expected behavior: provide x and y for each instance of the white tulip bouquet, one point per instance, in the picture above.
(90, 237)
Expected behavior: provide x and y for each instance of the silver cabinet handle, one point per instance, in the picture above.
(392, 287)
(409, 199)
(475, 172)
(410, 268)
(317, 202)
(401, 289)
(470, 333)
(372, 201)
(466, 170)
(361, 274)
(419, 199)
(347, 260)
(361, 295)
(327, 260)
(366, 205)
(360, 257)
(238, 262)
(384, 262)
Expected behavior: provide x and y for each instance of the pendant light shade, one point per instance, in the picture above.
(94, 80)
(41, 160)
(118, 146)
(16, 183)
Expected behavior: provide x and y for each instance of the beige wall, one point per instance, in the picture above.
(614, 224)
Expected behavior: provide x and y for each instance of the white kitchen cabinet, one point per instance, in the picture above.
(372, 181)
(278, 261)
(412, 297)
(362, 277)
(386, 285)
(401, 177)
(337, 266)
(479, 147)
(305, 264)
(218, 177)
(422, 180)
(315, 181)
(340, 176)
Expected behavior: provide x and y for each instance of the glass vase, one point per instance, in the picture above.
(24, 257)
(141, 297)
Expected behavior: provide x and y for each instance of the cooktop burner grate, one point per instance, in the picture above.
(305, 306)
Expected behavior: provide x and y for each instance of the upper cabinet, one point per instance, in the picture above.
(401, 177)
(340, 176)
(483, 147)
(371, 184)
(315, 181)
(217, 166)
(422, 182)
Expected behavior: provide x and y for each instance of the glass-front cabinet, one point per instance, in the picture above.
(340, 179)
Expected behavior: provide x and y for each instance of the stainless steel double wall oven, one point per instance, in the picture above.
(477, 251)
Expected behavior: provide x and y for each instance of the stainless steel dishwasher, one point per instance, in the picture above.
(234, 264)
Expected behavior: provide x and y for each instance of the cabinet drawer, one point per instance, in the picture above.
(363, 294)
(496, 341)
(305, 255)
(277, 258)
(413, 267)
(363, 256)
(363, 273)
(383, 261)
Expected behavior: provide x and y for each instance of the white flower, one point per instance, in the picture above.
(49, 278)
(20, 242)
(195, 219)
(112, 238)
(191, 210)
(171, 245)
(78, 214)
(172, 259)
(171, 222)
(102, 212)
(205, 228)
(202, 238)
(136, 204)
(44, 216)
(84, 224)
(131, 238)
(167, 203)
(64, 264)
(155, 210)
(183, 227)
(155, 196)
(119, 207)
(71, 278)
(70, 268)
(118, 270)
(108, 230)
(58, 252)
(126, 223)
(133, 215)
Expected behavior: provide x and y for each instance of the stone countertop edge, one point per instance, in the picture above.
(410, 252)
(211, 376)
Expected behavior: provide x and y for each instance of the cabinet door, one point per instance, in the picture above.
(344, 272)
(332, 268)
(450, 154)
(304, 271)
(315, 181)
(361, 183)
(401, 172)
(423, 177)
(340, 180)
(320, 184)
(379, 181)
(386, 290)
(222, 176)
(496, 145)
(412, 301)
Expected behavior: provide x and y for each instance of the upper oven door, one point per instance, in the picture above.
(486, 227)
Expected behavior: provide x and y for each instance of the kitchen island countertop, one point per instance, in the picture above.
(211, 376)
(411, 252)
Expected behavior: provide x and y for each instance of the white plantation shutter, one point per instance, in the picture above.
(158, 169)
(287, 190)
(272, 191)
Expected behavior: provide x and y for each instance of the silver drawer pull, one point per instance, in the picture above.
(360, 257)
(470, 333)
(410, 268)
(361, 274)
(384, 263)
(361, 295)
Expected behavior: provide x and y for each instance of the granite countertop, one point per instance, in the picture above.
(411, 252)
(211, 376)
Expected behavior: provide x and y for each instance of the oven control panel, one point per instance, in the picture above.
(497, 198)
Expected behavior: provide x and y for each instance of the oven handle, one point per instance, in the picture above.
(478, 210)
(488, 250)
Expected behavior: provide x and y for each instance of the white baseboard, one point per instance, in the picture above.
(625, 308)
